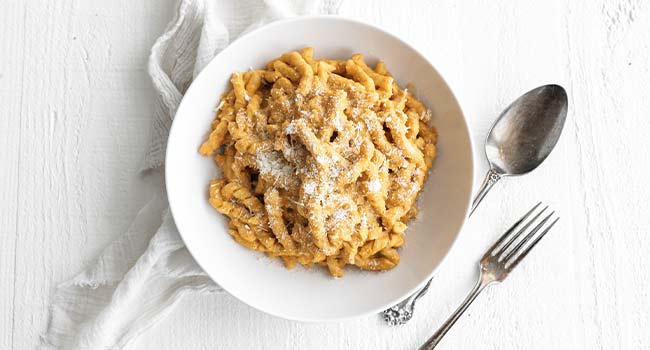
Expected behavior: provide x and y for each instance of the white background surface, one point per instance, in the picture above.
(75, 102)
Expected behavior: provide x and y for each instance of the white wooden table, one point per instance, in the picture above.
(75, 106)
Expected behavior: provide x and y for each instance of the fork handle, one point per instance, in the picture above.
(437, 336)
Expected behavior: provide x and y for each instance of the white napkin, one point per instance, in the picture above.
(139, 277)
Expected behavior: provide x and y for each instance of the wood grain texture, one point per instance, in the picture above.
(13, 29)
(76, 101)
(76, 107)
(608, 57)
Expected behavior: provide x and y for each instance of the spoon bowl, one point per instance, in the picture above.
(526, 131)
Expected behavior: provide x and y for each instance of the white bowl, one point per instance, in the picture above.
(302, 294)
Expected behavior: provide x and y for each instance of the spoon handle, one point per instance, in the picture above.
(491, 178)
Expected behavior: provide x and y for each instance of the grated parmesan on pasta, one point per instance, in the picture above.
(322, 161)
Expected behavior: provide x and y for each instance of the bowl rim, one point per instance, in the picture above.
(472, 167)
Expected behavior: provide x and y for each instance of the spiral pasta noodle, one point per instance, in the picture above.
(322, 161)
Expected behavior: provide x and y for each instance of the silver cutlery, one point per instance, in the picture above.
(499, 261)
(517, 143)
(524, 135)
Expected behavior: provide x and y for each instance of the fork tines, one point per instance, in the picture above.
(519, 239)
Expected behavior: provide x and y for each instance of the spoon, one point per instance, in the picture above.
(518, 142)
(523, 135)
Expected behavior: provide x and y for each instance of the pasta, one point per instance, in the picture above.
(322, 161)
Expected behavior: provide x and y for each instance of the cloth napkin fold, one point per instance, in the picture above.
(139, 277)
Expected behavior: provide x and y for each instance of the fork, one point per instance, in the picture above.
(499, 261)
